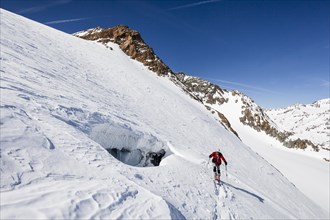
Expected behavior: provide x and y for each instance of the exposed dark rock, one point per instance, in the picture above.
(155, 157)
(227, 123)
(205, 91)
(131, 42)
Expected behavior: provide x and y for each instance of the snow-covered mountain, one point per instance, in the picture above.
(249, 119)
(252, 115)
(80, 124)
(131, 42)
(306, 121)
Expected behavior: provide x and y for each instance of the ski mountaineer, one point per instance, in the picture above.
(216, 160)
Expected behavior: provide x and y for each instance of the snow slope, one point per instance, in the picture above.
(64, 100)
(306, 121)
(305, 168)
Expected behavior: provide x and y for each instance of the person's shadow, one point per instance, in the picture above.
(243, 190)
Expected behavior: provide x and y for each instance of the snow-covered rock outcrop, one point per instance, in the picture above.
(131, 42)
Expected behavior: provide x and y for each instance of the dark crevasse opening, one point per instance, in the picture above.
(135, 157)
(130, 146)
(129, 157)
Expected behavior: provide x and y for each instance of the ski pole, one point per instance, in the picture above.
(226, 172)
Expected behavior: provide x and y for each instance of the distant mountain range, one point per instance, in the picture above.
(306, 121)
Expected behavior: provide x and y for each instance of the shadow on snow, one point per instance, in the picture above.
(243, 190)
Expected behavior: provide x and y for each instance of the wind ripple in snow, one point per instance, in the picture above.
(78, 199)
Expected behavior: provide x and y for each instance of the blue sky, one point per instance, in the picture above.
(276, 51)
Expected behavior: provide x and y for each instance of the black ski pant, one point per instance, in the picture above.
(216, 169)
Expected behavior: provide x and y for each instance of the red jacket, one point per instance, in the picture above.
(217, 157)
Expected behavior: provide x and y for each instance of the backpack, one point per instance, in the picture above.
(217, 159)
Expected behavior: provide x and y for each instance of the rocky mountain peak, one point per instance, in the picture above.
(131, 42)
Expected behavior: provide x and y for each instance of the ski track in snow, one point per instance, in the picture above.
(223, 196)
(301, 167)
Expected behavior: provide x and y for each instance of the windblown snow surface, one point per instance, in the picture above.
(65, 100)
